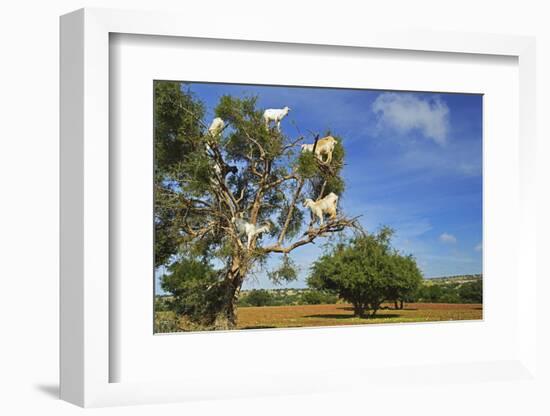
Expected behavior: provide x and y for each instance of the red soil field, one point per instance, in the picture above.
(342, 314)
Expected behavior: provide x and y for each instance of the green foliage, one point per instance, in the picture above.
(295, 223)
(247, 122)
(307, 165)
(450, 292)
(285, 273)
(238, 111)
(365, 272)
(405, 280)
(286, 297)
(432, 293)
(471, 292)
(256, 297)
(318, 297)
(176, 130)
(197, 171)
(176, 135)
(195, 288)
(450, 297)
(338, 153)
(331, 184)
(162, 304)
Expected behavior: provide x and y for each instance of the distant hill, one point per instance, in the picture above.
(453, 279)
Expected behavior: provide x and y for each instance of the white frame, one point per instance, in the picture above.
(85, 194)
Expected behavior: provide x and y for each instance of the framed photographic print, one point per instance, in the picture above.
(225, 199)
(263, 215)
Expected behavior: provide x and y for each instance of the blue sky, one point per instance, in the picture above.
(413, 162)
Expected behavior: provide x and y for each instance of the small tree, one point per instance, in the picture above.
(365, 272)
(194, 289)
(358, 272)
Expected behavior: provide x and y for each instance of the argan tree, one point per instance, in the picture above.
(405, 280)
(366, 271)
(205, 183)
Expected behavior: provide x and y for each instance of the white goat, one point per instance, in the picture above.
(326, 205)
(250, 230)
(216, 127)
(325, 146)
(276, 115)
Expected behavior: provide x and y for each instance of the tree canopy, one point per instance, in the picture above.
(366, 271)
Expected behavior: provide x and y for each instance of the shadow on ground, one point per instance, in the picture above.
(339, 316)
(259, 327)
(382, 308)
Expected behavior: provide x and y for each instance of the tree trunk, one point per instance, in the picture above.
(395, 304)
(227, 317)
(374, 307)
(359, 310)
(401, 304)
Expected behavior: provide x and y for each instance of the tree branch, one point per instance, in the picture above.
(312, 233)
(290, 211)
(293, 144)
(260, 148)
(281, 180)
(201, 122)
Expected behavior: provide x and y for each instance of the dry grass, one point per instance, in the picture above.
(342, 314)
(329, 315)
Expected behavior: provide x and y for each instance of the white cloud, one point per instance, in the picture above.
(478, 247)
(405, 112)
(469, 169)
(447, 238)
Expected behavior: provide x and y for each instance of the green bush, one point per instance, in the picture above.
(449, 292)
(318, 297)
(196, 290)
(162, 304)
(471, 292)
(257, 297)
(166, 322)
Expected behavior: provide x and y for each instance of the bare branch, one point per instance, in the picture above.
(322, 190)
(290, 211)
(260, 148)
(293, 144)
(241, 196)
(281, 180)
(312, 233)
